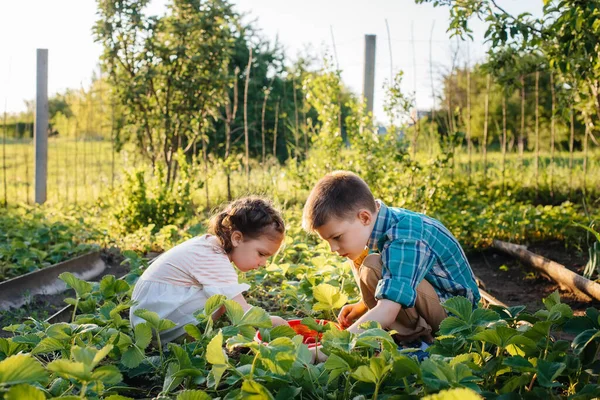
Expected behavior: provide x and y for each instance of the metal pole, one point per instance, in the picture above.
(369, 71)
(41, 126)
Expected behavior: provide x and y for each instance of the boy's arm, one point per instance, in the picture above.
(384, 312)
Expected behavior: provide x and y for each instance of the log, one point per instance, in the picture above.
(567, 279)
(491, 299)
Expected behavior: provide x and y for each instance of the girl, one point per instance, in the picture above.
(245, 233)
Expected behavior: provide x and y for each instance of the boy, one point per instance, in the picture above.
(414, 265)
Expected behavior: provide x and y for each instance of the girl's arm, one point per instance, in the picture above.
(245, 306)
(242, 301)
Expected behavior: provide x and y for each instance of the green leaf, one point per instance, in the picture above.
(234, 311)
(329, 297)
(21, 368)
(213, 304)
(279, 355)
(460, 306)
(193, 331)
(107, 286)
(171, 381)
(282, 331)
(143, 335)
(48, 345)
(69, 369)
(437, 374)
(312, 323)
(336, 339)
(165, 325)
(60, 331)
(117, 397)
(256, 317)
(214, 351)
(100, 354)
(364, 374)
(132, 357)
(519, 363)
(513, 384)
(81, 287)
(253, 390)
(552, 300)
(9, 348)
(193, 395)
(107, 374)
(453, 325)
(24, 391)
(547, 373)
(336, 362)
(31, 339)
(582, 340)
(405, 366)
(183, 358)
(454, 394)
(560, 310)
(154, 320)
(372, 337)
(149, 316)
(577, 325)
(288, 393)
(484, 316)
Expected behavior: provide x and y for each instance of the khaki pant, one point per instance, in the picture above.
(421, 321)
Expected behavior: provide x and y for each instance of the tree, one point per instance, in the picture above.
(168, 72)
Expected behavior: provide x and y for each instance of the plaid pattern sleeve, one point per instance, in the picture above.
(407, 262)
(414, 247)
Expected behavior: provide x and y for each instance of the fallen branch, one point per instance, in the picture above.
(567, 279)
(491, 299)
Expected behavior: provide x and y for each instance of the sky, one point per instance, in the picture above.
(64, 27)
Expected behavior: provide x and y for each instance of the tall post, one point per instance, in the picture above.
(41, 127)
(369, 71)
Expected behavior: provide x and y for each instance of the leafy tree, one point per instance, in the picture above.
(168, 72)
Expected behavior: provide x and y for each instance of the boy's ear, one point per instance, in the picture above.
(365, 216)
(236, 238)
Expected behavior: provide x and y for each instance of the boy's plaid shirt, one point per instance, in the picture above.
(414, 247)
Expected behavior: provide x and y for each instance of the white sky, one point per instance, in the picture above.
(64, 28)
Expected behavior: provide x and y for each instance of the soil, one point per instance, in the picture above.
(514, 283)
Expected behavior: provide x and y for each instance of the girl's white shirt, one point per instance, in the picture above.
(179, 282)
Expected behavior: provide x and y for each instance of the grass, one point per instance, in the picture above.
(78, 171)
(81, 171)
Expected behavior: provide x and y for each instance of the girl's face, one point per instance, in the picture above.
(251, 254)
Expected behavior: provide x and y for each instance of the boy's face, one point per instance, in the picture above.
(348, 237)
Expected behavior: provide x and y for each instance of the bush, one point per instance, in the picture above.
(153, 201)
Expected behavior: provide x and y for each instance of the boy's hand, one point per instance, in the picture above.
(351, 312)
(276, 321)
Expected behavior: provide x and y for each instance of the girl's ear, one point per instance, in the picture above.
(365, 216)
(236, 238)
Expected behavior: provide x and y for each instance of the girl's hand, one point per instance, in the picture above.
(276, 321)
(351, 312)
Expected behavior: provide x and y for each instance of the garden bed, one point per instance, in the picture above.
(41, 306)
(514, 283)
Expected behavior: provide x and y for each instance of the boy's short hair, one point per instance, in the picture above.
(339, 194)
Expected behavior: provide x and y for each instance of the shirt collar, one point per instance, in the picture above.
(380, 227)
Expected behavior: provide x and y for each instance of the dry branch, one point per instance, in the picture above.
(566, 278)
